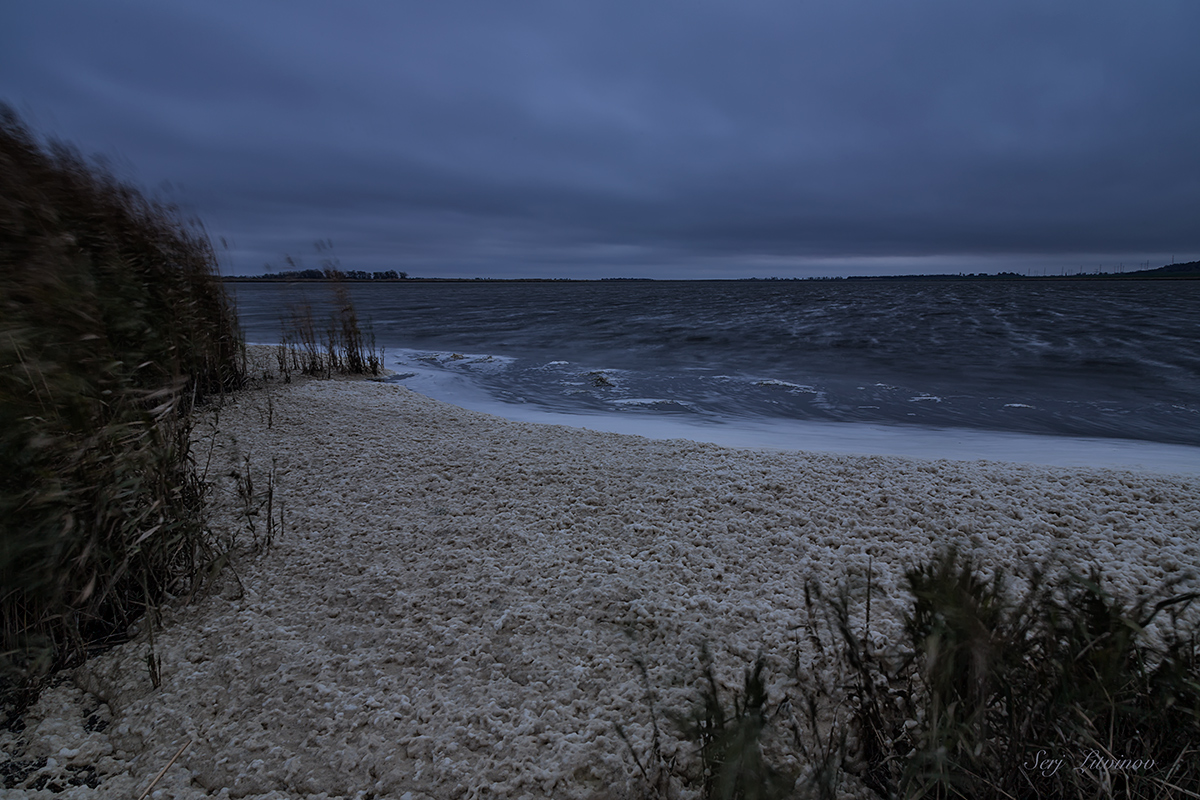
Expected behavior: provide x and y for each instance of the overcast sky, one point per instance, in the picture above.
(657, 138)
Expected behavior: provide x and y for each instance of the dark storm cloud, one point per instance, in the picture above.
(669, 138)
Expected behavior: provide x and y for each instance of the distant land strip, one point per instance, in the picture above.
(1188, 271)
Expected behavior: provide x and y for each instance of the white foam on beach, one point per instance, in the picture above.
(912, 441)
(459, 603)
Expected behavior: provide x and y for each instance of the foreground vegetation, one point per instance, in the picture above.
(113, 327)
(1061, 690)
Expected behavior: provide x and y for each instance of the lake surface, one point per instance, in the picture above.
(878, 360)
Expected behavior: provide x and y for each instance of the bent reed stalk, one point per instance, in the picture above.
(113, 326)
(341, 348)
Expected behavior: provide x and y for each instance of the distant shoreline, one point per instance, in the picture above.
(1170, 272)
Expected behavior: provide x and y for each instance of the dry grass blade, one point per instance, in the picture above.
(163, 771)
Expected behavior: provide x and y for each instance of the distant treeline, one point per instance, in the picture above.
(332, 275)
(1190, 269)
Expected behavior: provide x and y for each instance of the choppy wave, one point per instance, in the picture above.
(1103, 360)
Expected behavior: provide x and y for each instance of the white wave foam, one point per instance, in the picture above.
(652, 401)
(795, 387)
(462, 359)
(913, 441)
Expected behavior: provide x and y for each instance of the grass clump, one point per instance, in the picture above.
(340, 346)
(1060, 689)
(113, 326)
(728, 735)
(1065, 690)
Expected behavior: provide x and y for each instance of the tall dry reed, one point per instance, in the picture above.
(113, 325)
(341, 347)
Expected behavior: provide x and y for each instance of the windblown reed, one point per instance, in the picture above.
(341, 347)
(113, 325)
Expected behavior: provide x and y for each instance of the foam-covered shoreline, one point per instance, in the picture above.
(457, 602)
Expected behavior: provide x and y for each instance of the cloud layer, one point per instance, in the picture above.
(680, 138)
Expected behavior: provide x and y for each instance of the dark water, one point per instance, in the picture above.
(1116, 360)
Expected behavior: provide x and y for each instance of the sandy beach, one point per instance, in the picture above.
(457, 603)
